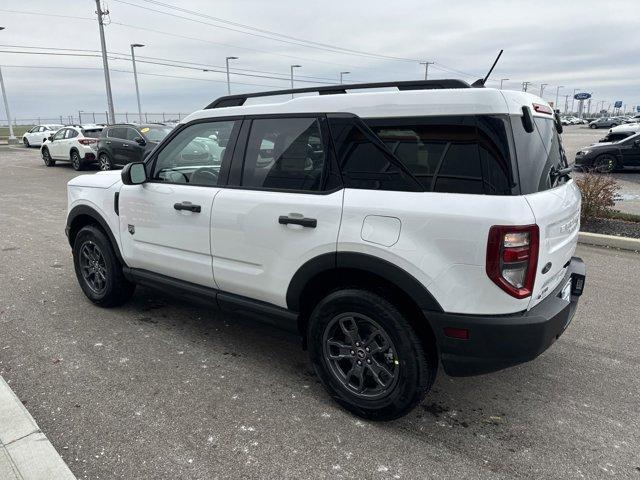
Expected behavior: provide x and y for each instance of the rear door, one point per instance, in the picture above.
(554, 201)
(165, 223)
(282, 208)
(630, 151)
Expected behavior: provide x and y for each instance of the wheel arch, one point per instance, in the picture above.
(325, 273)
(73, 149)
(83, 215)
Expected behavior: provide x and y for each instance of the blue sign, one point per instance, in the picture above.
(638, 108)
(618, 104)
(582, 96)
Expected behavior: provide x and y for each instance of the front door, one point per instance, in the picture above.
(56, 146)
(126, 149)
(283, 210)
(630, 150)
(165, 222)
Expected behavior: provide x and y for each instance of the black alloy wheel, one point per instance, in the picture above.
(46, 157)
(76, 162)
(93, 267)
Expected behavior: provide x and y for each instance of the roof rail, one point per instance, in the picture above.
(238, 100)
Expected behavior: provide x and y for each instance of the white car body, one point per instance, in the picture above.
(71, 140)
(37, 135)
(627, 127)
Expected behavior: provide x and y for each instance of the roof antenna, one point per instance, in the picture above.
(481, 81)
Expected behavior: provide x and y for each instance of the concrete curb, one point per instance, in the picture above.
(611, 241)
(25, 452)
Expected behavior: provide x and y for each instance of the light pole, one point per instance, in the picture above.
(557, 93)
(135, 77)
(292, 67)
(12, 137)
(573, 99)
(525, 85)
(341, 74)
(105, 62)
(542, 85)
(502, 80)
(426, 68)
(228, 80)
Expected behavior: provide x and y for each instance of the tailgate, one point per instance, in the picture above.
(557, 213)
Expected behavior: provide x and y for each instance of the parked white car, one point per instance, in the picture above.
(394, 231)
(627, 127)
(36, 136)
(75, 144)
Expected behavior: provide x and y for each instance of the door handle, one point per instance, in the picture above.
(125, 145)
(187, 206)
(305, 222)
(108, 142)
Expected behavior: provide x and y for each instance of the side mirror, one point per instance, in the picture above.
(134, 174)
(51, 138)
(140, 141)
(636, 143)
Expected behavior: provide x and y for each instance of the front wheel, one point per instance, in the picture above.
(605, 164)
(104, 162)
(76, 161)
(46, 158)
(26, 142)
(593, 126)
(98, 270)
(368, 356)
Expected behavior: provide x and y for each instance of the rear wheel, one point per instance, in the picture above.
(605, 164)
(104, 162)
(76, 161)
(98, 270)
(593, 126)
(46, 158)
(368, 356)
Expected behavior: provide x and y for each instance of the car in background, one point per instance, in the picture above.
(125, 143)
(605, 122)
(627, 127)
(74, 143)
(616, 136)
(36, 136)
(607, 157)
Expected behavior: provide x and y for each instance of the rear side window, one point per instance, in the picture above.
(284, 154)
(92, 133)
(71, 133)
(539, 155)
(454, 154)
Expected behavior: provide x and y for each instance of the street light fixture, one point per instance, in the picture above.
(573, 99)
(292, 67)
(12, 137)
(502, 80)
(228, 81)
(341, 74)
(135, 76)
(542, 85)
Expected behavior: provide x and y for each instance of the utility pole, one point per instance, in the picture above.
(542, 85)
(79, 117)
(12, 137)
(341, 74)
(573, 99)
(105, 62)
(292, 67)
(502, 80)
(525, 85)
(135, 77)
(426, 68)
(566, 103)
(228, 77)
(557, 93)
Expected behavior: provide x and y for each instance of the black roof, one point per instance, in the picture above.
(238, 100)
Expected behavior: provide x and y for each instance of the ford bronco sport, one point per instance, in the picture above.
(431, 223)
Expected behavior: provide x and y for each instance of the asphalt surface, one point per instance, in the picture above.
(161, 389)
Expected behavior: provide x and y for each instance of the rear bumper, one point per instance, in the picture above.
(500, 341)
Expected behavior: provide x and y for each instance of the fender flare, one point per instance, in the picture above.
(79, 210)
(364, 262)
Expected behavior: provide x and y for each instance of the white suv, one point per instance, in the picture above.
(394, 230)
(75, 144)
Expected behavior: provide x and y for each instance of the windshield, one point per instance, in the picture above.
(155, 133)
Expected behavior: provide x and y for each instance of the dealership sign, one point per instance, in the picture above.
(618, 104)
(582, 96)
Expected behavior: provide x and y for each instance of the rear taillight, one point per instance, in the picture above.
(87, 141)
(512, 258)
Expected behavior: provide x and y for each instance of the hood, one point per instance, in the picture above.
(96, 180)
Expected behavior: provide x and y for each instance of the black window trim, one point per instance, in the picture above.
(223, 176)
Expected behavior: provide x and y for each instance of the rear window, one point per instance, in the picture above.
(453, 154)
(92, 132)
(539, 155)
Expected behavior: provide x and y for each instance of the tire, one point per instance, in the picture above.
(26, 143)
(76, 161)
(593, 126)
(605, 164)
(410, 370)
(98, 270)
(104, 162)
(46, 158)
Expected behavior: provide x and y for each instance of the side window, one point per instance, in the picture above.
(284, 153)
(60, 134)
(132, 133)
(195, 155)
(41, 129)
(363, 163)
(71, 133)
(117, 132)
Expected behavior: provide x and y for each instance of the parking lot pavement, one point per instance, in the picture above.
(161, 389)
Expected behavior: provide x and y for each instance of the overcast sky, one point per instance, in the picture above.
(590, 45)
